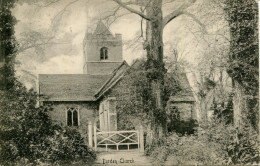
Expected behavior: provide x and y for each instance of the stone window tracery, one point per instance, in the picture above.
(73, 116)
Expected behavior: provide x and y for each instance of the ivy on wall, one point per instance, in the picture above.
(135, 98)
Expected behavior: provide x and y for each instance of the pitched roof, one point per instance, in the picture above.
(102, 29)
(186, 93)
(117, 75)
(70, 87)
(85, 87)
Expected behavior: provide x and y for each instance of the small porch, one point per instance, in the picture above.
(104, 136)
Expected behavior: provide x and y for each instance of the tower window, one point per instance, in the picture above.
(72, 116)
(103, 53)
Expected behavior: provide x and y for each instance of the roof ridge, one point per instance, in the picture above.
(71, 87)
(113, 76)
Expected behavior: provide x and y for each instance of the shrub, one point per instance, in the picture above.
(183, 126)
(240, 145)
(187, 150)
(215, 143)
(67, 146)
(27, 135)
(224, 111)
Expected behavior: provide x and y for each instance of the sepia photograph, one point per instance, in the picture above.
(129, 82)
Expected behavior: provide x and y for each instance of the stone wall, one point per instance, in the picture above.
(94, 44)
(119, 92)
(186, 109)
(87, 112)
(91, 50)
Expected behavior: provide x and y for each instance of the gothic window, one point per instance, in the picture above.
(72, 116)
(103, 53)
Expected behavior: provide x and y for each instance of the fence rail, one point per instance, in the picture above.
(116, 138)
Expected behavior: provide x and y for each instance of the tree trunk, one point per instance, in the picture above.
(203, 110)
(239, 104)
(155, 66)
(205, 105)
(244, 55)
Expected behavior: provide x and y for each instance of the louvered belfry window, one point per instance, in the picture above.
(72, 116)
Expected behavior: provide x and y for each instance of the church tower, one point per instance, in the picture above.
(102, 51)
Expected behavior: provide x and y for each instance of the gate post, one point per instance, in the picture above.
(90, 142)
(95, 136)
(141, 137)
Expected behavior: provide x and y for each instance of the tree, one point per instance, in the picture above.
(134, 100)
(243, 59)
(7, 44)
(152, 12)
(27, 135)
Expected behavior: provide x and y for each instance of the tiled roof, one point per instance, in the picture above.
(117, 74)
(70, 87)
(186, 93)
(85, 87)
(102, 29)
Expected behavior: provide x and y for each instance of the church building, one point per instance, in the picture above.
(78, 99)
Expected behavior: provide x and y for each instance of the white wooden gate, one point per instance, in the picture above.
(117, 140)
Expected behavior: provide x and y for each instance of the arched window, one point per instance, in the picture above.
(69, 118)
(72, 116)
(103, 53)
(75, 118)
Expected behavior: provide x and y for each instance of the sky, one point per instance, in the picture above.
(66, 55)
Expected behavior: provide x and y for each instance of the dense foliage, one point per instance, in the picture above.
(215, 144)
(224, 111)
(218, 141)
(136, 99)
(28, 135)
(243, 21)
(7, 44)
(182, 126)
(244, 52)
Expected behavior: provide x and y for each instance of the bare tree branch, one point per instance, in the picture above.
(60, 13)
(177, 12)
(142, 32)
(117, 17)
(47, 4)
(167, 2)
(113, 13)
(21, 49)
(119, 2)
(35, 40)
(196, 20)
